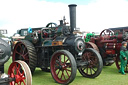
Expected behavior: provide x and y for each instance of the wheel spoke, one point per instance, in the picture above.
(18, 53)
(24, 49)
(68, 65)
(25, 58)
(93, 69)
(25, 54)
(59, 60)
(87, 70)
(18, 66)
(17, 69)
(63, 75)
(23, 78)
(56, 68)
(18, 83)
(66, 60)
(22, 74)
(13, 71)
(56, 63)
(84, 68)
(58, 72)
(20, 46)
(67, 69)
(24, 82)
(67, 73)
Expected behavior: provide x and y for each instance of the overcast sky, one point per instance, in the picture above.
(92, 15)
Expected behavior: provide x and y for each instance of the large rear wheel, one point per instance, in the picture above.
(94, 66)
(25, 51)
(63, 67)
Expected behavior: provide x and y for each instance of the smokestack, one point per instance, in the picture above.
(72, 9)
(61, 22)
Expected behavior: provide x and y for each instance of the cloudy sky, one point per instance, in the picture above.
(92, 15)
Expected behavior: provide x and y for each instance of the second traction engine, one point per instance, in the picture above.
(108, 44)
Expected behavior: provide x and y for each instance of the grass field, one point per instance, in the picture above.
(109, 76)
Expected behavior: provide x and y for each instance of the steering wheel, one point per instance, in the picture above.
(106, 33)
(51, 25)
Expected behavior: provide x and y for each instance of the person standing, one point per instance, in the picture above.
(123, 57)
(88, 36)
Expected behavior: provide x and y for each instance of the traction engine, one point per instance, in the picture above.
(108, 45)
(57, 49)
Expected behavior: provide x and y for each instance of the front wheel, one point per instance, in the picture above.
(94, 66)
(63, 67)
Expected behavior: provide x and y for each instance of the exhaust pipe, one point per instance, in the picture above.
(72, 9)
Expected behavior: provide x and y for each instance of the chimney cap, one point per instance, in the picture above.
(72, 5)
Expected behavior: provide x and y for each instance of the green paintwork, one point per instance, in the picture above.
(123, 54)
(88, 37)
(47, 42)
(59, 30)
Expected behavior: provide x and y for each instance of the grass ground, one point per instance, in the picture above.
(109, 76)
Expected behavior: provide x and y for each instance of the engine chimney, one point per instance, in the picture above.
(61, 22)
(72, 9)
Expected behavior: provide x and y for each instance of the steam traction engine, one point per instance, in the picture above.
(108, 45)
(18, 72)
(58, 49)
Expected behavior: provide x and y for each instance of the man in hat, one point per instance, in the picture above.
(123, 57)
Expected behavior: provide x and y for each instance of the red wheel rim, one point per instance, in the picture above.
(17, 72)
(20, 53)
(61, 67)
(118, 63)
(92, 66)
(91, 45)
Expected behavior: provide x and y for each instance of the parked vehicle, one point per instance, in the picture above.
(108, 44)
(58, 49)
